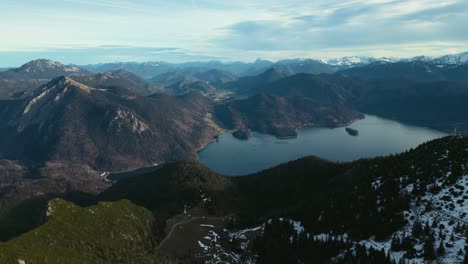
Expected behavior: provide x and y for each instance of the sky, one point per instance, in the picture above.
(96, 31)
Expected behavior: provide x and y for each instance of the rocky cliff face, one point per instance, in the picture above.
(65, 121)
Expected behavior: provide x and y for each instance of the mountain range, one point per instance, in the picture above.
(179, 81)
(122, 79)
(32, 75)
(413, 70)
(148, 70)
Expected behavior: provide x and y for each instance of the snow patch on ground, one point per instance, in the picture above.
(50, 210)
(217, 252)
(203, 246)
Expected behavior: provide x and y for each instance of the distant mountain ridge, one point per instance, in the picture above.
(391, 91)
(36, 73)
(281, 116)
(122, 79)
(33, 74)
(419, 70)
(461, 58)
(313, 66)
(178, 80)
(151, 69)
(145, 70)
(253, 84)
(44, 67)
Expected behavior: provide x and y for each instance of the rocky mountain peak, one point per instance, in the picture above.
(48, 69)
(460, 58)
(64, 82)
(54, 90)
(41, 65)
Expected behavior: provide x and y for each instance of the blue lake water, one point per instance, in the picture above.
(377, 136)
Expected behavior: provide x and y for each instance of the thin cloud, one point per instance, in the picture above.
(236, 30)
(356, 26)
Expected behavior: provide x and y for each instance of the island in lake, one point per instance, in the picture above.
(352, 132)
(243, 134)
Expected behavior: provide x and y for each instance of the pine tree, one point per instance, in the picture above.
(427, 229)
(429, 252)
(396, 244)
(417, 230)
(457, 172)
(441, 249)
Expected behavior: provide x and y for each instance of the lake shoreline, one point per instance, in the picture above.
(378, 137)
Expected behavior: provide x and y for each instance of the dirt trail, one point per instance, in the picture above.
(169, 235)
(175, 226)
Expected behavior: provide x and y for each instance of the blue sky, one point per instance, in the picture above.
(91, 31)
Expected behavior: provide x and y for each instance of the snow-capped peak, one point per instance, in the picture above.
(460, 58)
(355, 61)
(347, 61)
(41, 65)
(44, 65)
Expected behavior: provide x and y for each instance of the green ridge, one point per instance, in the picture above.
(110, 232)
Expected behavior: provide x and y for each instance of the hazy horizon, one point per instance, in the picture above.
(214, 60)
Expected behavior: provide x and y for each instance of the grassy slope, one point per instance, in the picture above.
(118, 232)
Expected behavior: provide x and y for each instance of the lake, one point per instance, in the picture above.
(377, 136)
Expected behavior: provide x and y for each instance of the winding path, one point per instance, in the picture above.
(169, 235)
(177, 225)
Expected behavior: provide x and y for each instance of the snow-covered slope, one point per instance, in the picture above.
(348, 61)
(444, 212)
(44, 66)
(460, 58)
(353, 61)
